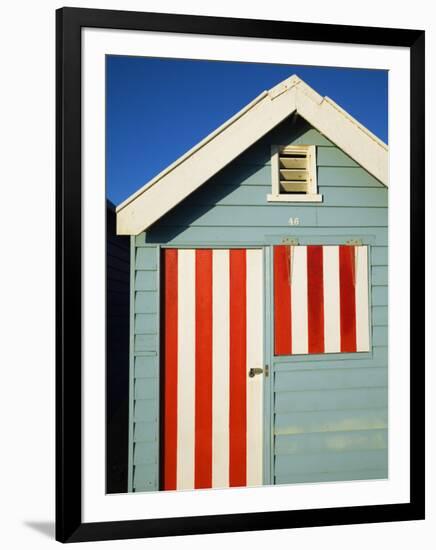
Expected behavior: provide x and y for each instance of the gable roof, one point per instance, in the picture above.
(209, 156)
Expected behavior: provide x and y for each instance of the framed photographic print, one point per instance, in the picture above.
(240, 274)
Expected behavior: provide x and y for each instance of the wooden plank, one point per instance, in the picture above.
(380, 315)
(312, 137)
(319, 400)
(145, 431)
(255, 195)
(146, 323)
(145, 410)
(333, 156)
(145, 477)
(330, 462)
(361, 440)
(378, 358)
(354, 197)
(379, 255)
(146, 258)
(146, 367)
(330, 379)
(146, 302)
(145, 452)
(379, 295)
(352, 217)
(183, 235)
(145, 342)
(234, 216)
(146, 388)
(240, 175)
(379, 275)
(319, 477)
(330, 421)
(145, 280)
(380, 336)
(344, 177)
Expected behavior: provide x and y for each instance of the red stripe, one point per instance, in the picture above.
(282, 301)
(238, 374)
(315, 298)
(203, 369)
(170, 369)
(348, 298)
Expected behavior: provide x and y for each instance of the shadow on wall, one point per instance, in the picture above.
(251, 168)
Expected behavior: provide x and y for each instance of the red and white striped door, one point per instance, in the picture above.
(321, 299)
(212, 337)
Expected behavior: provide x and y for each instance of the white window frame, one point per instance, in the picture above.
(312, 194)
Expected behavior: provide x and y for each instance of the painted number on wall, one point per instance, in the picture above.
(294, 221)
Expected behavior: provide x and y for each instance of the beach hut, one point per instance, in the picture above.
(258, 302)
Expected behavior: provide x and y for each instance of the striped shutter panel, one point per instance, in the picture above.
(321, 302)
(212, 335)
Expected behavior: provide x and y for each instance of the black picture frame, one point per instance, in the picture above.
(69, 525)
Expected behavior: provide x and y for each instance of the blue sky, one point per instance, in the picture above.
(156, 109)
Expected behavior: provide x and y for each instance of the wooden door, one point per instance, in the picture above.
(212, 336)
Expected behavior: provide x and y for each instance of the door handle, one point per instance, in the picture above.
(257, 370)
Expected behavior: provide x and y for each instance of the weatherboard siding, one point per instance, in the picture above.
(328, 413)
(144, 371)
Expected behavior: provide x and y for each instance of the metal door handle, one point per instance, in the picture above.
(257, 370)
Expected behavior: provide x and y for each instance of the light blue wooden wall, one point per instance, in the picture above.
(328, 414)
(144, 370)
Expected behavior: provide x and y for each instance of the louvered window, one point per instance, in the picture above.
(294, 174)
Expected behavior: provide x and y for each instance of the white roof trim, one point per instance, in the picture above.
(256, 119)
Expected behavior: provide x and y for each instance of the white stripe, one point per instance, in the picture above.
(362, 299)
(186, 370)
(332, 318)
(254, 359)
(220, 368)
(299, 299)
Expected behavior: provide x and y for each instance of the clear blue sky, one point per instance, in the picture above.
(156, 109)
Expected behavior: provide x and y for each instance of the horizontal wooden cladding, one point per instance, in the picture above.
(380, 336)
(379, 255)
(380, 315)
(146, 258)
(145, 323)
(330, 462)
(146, 302)
(328, 176)
(333, 156)
(331, 442)
(351, 177)
(146, 367)
(379, 295)
(327, 361)
(145, 452)
(379, 275)
(145, 477)
(146, 388)
(249, 195)
(330, 421)
(145, 410)
(260, 152)
(320, 477)
(265, 216)
(146, 342)
(247, 236)
(316, 400)
(144, 431)
(145, 280)
(323, 379)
